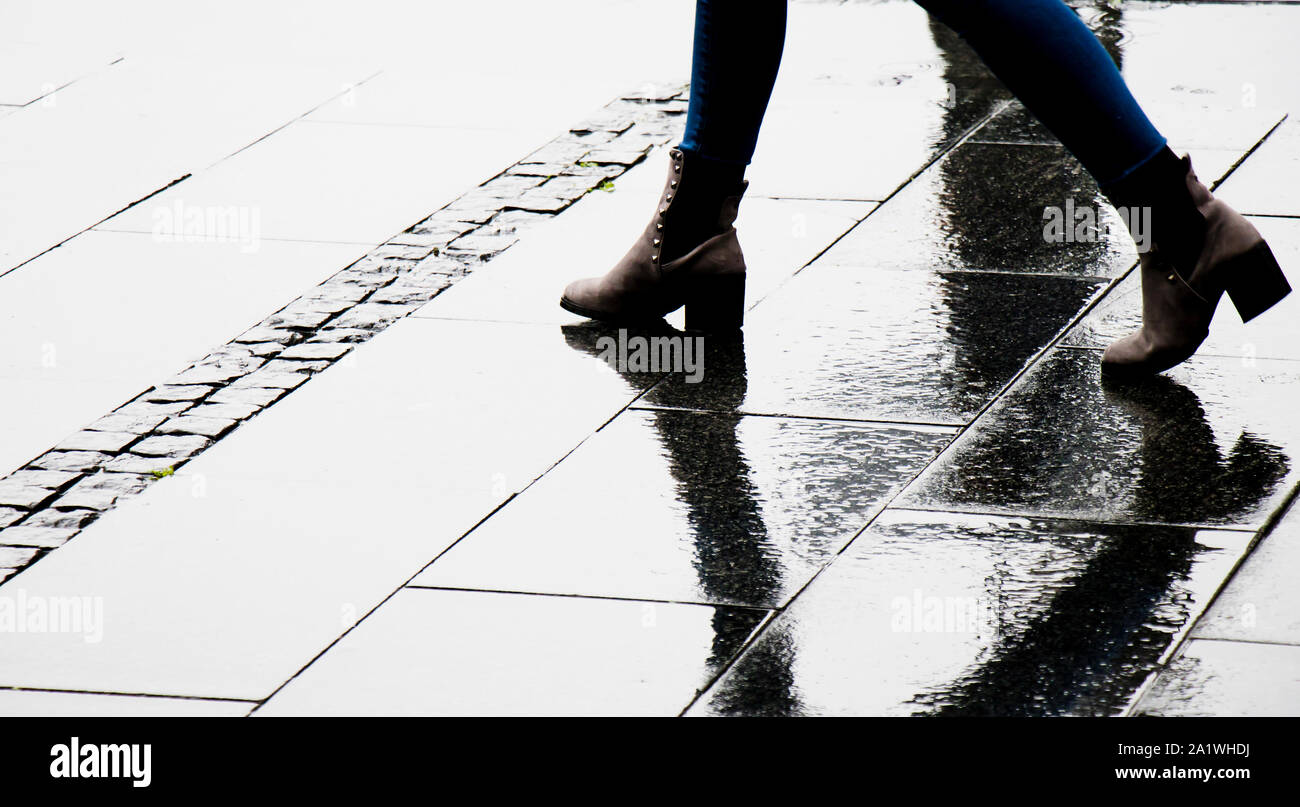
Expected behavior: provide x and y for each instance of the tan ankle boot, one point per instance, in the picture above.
(641, 288)
(1176, 310)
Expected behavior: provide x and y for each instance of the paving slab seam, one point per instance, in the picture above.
(1085, 518)
(600, 597)
(917, 425)
(142, 199)
(341, 93)
(202, 698)
(1261, 535)
(938, 154)
(179, 179)
(51, 498)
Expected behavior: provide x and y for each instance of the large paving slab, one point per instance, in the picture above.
(474, 653)
(872, 343)
(942, 614)
(153, 121)
(1210, 442)
(1227, 679)
(27, 703)
(92, 324)
(1261, 602)
(692, 507)
(300, 189)
(225, 579)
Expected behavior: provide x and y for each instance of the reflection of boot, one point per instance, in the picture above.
(1185, 274)
(676, 262)
(1184, 476)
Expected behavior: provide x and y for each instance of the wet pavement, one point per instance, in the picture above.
(421, 488)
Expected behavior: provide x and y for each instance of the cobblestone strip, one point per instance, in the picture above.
(53, 497)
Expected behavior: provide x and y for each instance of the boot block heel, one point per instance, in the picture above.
(716, 304)
(1255, 282)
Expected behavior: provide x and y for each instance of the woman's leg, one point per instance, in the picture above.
(689, 254)
(738, 47)
(1049, 58)
(1046, 55)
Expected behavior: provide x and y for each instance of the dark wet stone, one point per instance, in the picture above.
(224, 411)
(170, 447)
(13, 557)
(197, 425)
(347, 336)
(69, 519)
(651, 91)
(609, 120)
(301, 318)
(327, 351)
(482, 246)
(265, 349)
(1227, 679)
(944, 614)
(507, 185)
(141, 407)
(401, 293)
(539, 202)
(45, 536)
(404, 252)
(920, 346)
(692, 507)
(285, 380)
(70, 460)
(109, 441)
(982, 207)
(263, 333)
(258, 397)
(40, 479)
(1210, 443)
(571, 187)
(133, 464)
(444, 266)
(175, 394)
(444, 225)
(372, 316)
(88, 498)
(616, 156)
(557, 151)
(309, 366)
(221, 372)
(22, 495)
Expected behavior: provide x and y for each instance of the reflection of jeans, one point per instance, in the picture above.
(1040, 49)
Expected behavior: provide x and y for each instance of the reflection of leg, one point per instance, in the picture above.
(1046, 55)
(1092, 646)
(1199, 247)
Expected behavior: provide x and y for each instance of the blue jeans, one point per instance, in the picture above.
(1039, 49)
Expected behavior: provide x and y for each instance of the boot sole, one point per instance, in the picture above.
(713, 305)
